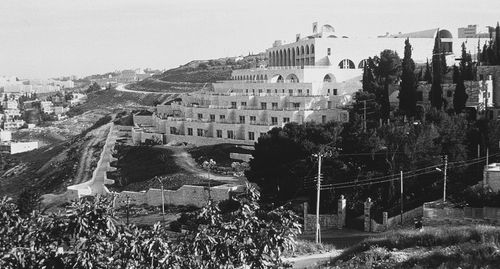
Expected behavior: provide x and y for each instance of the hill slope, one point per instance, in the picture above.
(198, 74)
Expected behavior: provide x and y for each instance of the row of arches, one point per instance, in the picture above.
(349, 64)
(292, 56)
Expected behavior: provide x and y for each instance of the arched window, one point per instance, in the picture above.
(285, 61)
(302, 52)
(289, 58)
(312, 48)
(292, 78)
(277, 79)
(327, 78)
(346, 64)
(281, 58)
(362, 64)
(293, 57)
(307, 49)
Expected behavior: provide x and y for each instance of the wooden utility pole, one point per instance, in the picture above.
(444, 172)
(318, 231)
(364, 115)
(401, 197)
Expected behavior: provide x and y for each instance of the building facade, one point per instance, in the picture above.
(308, 80)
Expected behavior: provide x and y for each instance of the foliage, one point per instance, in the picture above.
(387, 72)
(477, 196)
(466, 66)
(94, 87)
(428, 73)
(28, 200)
(447, 247)
(282, 158)
(436, 93)
(490, 55)
(88, 235)
(460, 96)
(408, 91)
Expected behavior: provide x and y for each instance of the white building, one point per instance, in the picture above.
(310, 79)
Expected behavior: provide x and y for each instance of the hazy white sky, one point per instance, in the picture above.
(64, 37)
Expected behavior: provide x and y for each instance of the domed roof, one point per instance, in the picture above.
(327, 28)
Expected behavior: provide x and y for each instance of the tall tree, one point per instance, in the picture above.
(428, 74)
(497, 45)
(436, 94)
(387, 72)
(460, 96)
(368, 78)
(466, 64)
(408, 91)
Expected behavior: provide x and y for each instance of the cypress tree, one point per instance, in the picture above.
(368, 77)
(484, 55)
(497, 45)
(408, 91)
(460, 96)
(466, 64)
(436, 94)
(427, 75)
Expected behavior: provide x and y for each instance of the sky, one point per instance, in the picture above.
(52, 38)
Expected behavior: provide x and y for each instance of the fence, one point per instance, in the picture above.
(370, 225)
(448, 215)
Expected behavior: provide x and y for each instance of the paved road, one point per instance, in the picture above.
(121, 87)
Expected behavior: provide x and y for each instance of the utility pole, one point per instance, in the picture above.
(364, 115)
(401, 197)
(128, 205)
(318, 231)
(318, 192)
(487, 156)
(478, 151)
(444, 172)
(162, 199)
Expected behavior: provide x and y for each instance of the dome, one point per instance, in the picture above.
(327, 28)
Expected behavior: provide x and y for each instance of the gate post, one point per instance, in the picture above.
(305, 206)
(341, 212)
(368, 220)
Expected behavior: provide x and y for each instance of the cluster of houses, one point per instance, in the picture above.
(27, 103)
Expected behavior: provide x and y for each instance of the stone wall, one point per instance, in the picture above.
(185, 195)
(389, 223)
(333, 221)
(144, 120)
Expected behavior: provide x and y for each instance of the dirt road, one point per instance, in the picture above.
(184, 160)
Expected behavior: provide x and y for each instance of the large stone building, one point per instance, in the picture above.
(310, 79)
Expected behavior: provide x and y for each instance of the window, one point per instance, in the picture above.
(268, 90)
(263, 105)
(274, 105)
(233, 104)
(328, 91)
(253, 119)
(200, 116)
(242, 119)
(449, 93)
(329, 104)
(212, 117)
(173, 130)
(260, 90)
(323, 119)
(190, 131)
(243, 104)
(274, 120)
(296, 105)
(329, 51)
(275, 90)
(290, 92)
(222, 117)
(200, 132)
(230, 134)
(262, 134)
(251, 136)
(246, 91)
(286, 120)
(334, 91)
(300, 91)
(219, 133)
(307, 91)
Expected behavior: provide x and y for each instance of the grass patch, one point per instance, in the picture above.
(452, 246)
(305, 247)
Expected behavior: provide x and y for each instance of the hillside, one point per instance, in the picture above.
(198, 74)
